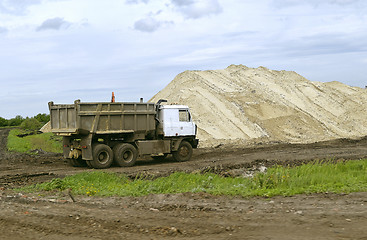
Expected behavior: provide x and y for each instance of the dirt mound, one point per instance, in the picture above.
(248, 105)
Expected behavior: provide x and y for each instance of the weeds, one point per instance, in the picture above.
(342, 177)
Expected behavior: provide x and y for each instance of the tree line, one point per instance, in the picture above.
(33, 123)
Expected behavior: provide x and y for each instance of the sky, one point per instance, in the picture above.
(63, 50)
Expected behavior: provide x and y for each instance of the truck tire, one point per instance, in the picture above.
(183, 153)
(102, 156)
(125, 154)
(77, 162)
(89, 163)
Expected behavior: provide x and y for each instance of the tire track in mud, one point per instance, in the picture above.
(3, 142)
(184, 215)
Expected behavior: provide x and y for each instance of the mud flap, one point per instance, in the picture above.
(175, 144)
(66, 146)
(87, 151)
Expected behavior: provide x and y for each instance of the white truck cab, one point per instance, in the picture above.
(176, 121)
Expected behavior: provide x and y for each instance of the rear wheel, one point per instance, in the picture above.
(125, 155)
(102, 156)
(89, 163)
(77, 162)
(183, 153)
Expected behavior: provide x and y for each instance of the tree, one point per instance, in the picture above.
(3, 122)
(42, 117)
(16, 121)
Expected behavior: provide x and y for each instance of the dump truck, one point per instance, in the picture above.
(101, 133)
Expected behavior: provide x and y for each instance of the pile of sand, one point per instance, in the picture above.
(46, 128)
(246, 105)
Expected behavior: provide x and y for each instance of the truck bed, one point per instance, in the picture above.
(102, 118)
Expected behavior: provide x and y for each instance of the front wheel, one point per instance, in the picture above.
(183, 153)
(102, 156)
(125, 155)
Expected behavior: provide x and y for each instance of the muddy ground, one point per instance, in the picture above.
(187, 215)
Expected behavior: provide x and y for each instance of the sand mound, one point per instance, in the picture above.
(242, 105)
(46, 128)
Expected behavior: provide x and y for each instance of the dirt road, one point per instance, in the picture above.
(187, 216)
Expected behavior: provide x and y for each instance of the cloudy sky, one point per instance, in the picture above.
(63, 50)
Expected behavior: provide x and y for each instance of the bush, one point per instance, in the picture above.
(42, 118)
(31, 124)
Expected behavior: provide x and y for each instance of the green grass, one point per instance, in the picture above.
(342, 177)
(46, 141)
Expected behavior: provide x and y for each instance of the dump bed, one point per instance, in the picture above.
(102, 118)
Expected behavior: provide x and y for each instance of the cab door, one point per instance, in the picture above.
(186, 126)
(177, 122)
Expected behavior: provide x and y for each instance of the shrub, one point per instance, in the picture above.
(31, 124)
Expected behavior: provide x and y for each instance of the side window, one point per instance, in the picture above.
(183, 116)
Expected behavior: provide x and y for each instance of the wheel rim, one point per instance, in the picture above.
(127, 156)
(103, 157)
(184, 151)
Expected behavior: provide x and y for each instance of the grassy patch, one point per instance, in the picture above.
(46, 141)
(342, 177)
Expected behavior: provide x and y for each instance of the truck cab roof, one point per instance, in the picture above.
(173, 107)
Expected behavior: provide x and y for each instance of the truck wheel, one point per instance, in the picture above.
(77, 162)
(102, 156)
(125, 155)
(88, 162)
(183, 153)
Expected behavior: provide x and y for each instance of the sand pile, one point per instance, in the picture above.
(246, 105)
(46, 128)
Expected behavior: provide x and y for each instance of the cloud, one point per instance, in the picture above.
(343, 2)
(191, 9)
(148, 24)
(327, 44)
(315, 3)
(197, 8)
(54, 24)
(3, 30)
(183, 2)
(16, 7)
(136, 1)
